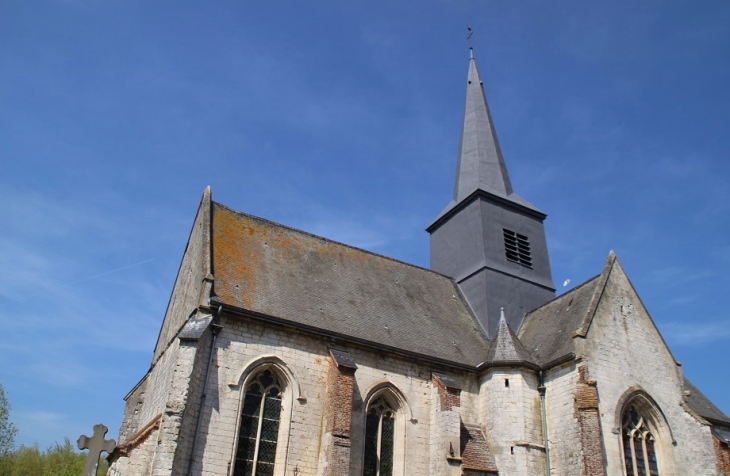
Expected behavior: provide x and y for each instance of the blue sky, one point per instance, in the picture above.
(342, 119)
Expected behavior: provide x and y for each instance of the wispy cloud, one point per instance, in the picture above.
(695, 333)
(35, 426)
(677, 276)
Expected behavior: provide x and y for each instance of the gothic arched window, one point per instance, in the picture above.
(379, 438)
(259, 430)
(639, 444)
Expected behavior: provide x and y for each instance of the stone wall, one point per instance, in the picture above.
(160, 401)
(589, 425)
(510, 412)
(445, 445)
(562, 424)
(195, 366)
(191, 279)
(132, 411)
(136, 457)
(723, 457)
(245, 345)
(625, 354)
(337, 418)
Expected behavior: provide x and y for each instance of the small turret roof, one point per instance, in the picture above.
(506, 347)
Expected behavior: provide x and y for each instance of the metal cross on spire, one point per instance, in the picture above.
(468, 38)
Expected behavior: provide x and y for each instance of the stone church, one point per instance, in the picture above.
(283, 353)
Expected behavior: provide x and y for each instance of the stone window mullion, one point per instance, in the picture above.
(249, 463)
(633, 453)
(638, 442)
(377, 447)
(258, 435)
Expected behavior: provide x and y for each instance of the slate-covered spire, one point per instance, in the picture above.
(480, 163)
(506, 346)
(480, 166)
(488, 239)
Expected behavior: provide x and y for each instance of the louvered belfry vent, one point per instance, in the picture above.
(517, 248)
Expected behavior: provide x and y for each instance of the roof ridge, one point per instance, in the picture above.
(567, 293)
(329, 240)
(597, 295)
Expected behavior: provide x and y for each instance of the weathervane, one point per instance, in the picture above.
(468, 28)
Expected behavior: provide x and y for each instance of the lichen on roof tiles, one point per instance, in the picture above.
(294, 276)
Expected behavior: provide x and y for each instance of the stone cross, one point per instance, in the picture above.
(96, 444)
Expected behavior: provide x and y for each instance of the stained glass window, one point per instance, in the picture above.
(639, 445)
(379, 439)
(259, 429)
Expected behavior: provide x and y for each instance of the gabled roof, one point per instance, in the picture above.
(319, 284)
(702, 405)
(505, 346)
(547, 332)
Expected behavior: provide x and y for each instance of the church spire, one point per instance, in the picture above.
(488, 239)
(480, 163)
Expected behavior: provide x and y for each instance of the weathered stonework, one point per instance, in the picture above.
(586, 409)
(510, 410)
(723, 457)
(192, 285)
(624, 350)
(562, 425)
(446, 429)
(337, 419)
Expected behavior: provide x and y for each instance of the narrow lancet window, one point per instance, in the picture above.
(379, 439)
(259, 431)
(639, 445)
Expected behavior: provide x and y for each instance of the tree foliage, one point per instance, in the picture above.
(7, 429)
(57, 460)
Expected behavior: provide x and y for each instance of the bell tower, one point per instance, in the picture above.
(488, 238)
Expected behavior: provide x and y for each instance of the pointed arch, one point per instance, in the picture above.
(290, 392)
(385, 413)
(638, 413)
(389, 388)
(262, 361)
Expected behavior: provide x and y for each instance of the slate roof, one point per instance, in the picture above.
(480, 165)
(702, 405)
(547, 332)
(722, 434)
(505, 346)
(316, 283)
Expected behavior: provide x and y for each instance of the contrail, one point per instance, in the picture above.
(85, 279)
(108, 272)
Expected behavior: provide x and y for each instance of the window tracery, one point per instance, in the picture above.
(379, 438)
(259, 430)
(639, 444)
